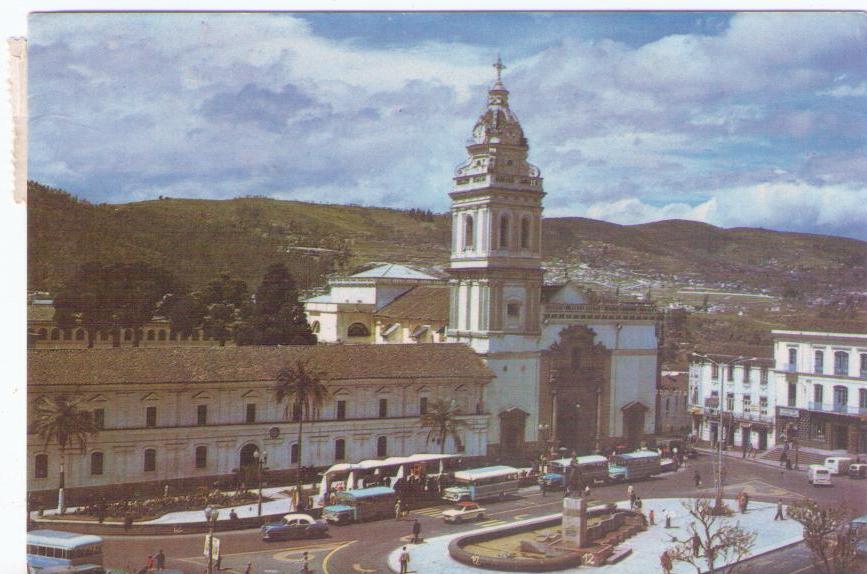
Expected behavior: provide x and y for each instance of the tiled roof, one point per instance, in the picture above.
(210, 364)
(393, 271)
(733, 350)
(425, 303)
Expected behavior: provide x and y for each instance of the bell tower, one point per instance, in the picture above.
(496, 273)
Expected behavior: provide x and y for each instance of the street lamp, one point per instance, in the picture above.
(211, 515)
(261, 460)
(544, 431)
(721, 371)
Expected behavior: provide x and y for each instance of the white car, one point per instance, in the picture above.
(463, 511)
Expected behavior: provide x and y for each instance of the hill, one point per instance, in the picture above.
(199, 238)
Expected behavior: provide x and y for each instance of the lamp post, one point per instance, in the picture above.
(544, 429)
(261, 460)
(718, 506)
(211, 515)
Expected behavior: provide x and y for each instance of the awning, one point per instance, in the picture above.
(390, 329)
(420, 331)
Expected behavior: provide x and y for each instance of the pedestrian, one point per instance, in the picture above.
(249, 568)
(665, 562)
(696, 544)
(668, 516)
(638, 504)
(651, 517)
(779, 514)
(233, 516)
(404, 561)
(784, 459)
(542, 488)
(397, 510)
(632, 499)
(416, 531)
(161, 560)
(218, 565)
(697, 478)
(586, 491)
(746, 502)
(305, 563)
(630, 492)
(150, 563)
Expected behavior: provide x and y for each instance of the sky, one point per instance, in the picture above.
(736, 119)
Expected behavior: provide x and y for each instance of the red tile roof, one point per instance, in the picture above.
(211, 364)
(424, 303)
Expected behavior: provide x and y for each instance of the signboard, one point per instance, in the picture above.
(216, 549)
(787, 412)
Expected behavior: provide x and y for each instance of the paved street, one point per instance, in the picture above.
(364, 547)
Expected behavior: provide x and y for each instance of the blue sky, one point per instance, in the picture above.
(736, 119)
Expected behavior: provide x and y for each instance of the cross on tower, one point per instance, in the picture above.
(499, 67)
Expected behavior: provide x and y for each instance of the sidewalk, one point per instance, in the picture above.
(736, 454)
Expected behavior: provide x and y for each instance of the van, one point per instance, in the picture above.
(818, 474)
(857, 470)
(838, 464)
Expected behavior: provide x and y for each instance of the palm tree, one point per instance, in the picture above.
(59, 418)
(306, 393)
(442, 421)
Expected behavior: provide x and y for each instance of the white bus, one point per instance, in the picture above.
(481, 483)
(55, 551)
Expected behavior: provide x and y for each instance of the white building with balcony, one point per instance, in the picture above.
(821, 386)
(733, 399)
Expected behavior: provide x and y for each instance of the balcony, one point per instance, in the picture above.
(836, 408)
(790, 367)
(623, 310)
(711, 402)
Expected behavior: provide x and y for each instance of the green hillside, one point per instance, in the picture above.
(199, 238)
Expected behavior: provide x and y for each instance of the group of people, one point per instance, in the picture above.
(155, 563)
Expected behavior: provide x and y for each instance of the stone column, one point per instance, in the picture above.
(574, 527)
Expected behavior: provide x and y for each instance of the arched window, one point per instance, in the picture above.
(151, 335)
(382, 446)
(841, 398)
(841, 363)
(201, 456)
(55, 334)
(358, 330)
(504, 231)
(43, 334)
(150, 460)
(248, 457)
(95, 463)
(525, 233)
(793, 359)
(314, 327)
(293, 453)
(818, 361)
(339, 449)
(161, 335)
(40, 465)
(469, 233)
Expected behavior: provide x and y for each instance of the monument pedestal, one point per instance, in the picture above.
(574, 528)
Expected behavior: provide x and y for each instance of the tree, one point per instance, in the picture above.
(827, 535)
(302, 389)
(112, 296)
(186, 312)
(58, 418)
(224, 298)
(713, 541)
(442, 422)
(276, 317)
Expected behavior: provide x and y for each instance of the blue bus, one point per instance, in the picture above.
(634, 465)
(55, 551)
(360, 505)
(592, 468)
(481, 483)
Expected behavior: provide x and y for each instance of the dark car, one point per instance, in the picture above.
(294, 526)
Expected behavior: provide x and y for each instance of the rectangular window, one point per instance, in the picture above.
(819, 362)
(748, 403)
(763, 405)
(763, 374)
(151, 416)
(383, 408)
(818, 393)
(747, 373)
(339, 449)
(382, 446)
(296, 412)
(96, 463)
(341, 410)
(202, 415)
(730, 401)
(251, 413)
(714, 371)
(863, 366)
(513, 309)
(422, 406)
(201, 456)
(730, 373)
(99, 418)
(150, 460)
(841, 363)
(862, 398)
(41, 466)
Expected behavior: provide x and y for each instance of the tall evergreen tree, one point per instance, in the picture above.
(275, 317)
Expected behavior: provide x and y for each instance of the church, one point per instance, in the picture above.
(572, 369)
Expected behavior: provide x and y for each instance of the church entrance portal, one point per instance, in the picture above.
(512, 422)
(633, 423)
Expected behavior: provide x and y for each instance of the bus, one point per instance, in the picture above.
(591, 468)
(360, 505)
(55, 551)
(481, 483)
(634, 465)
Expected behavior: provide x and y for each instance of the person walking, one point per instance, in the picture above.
(746, 503)
(249, 568)
(150, 562)
(586, 491)
(665, 562)
(305, 563)
(651, 517)
(779, 514)
(638, 503)
(696, 544)
(161, 560)
(404, 561)
(416, 531)
(697, 479)
(397, 510)
(668, 516)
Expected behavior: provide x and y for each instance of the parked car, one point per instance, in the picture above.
(294, 526)
(667, 465)
(818, 474)
(551, 481)
(838, 464)
(463, 511)
(857, 470)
